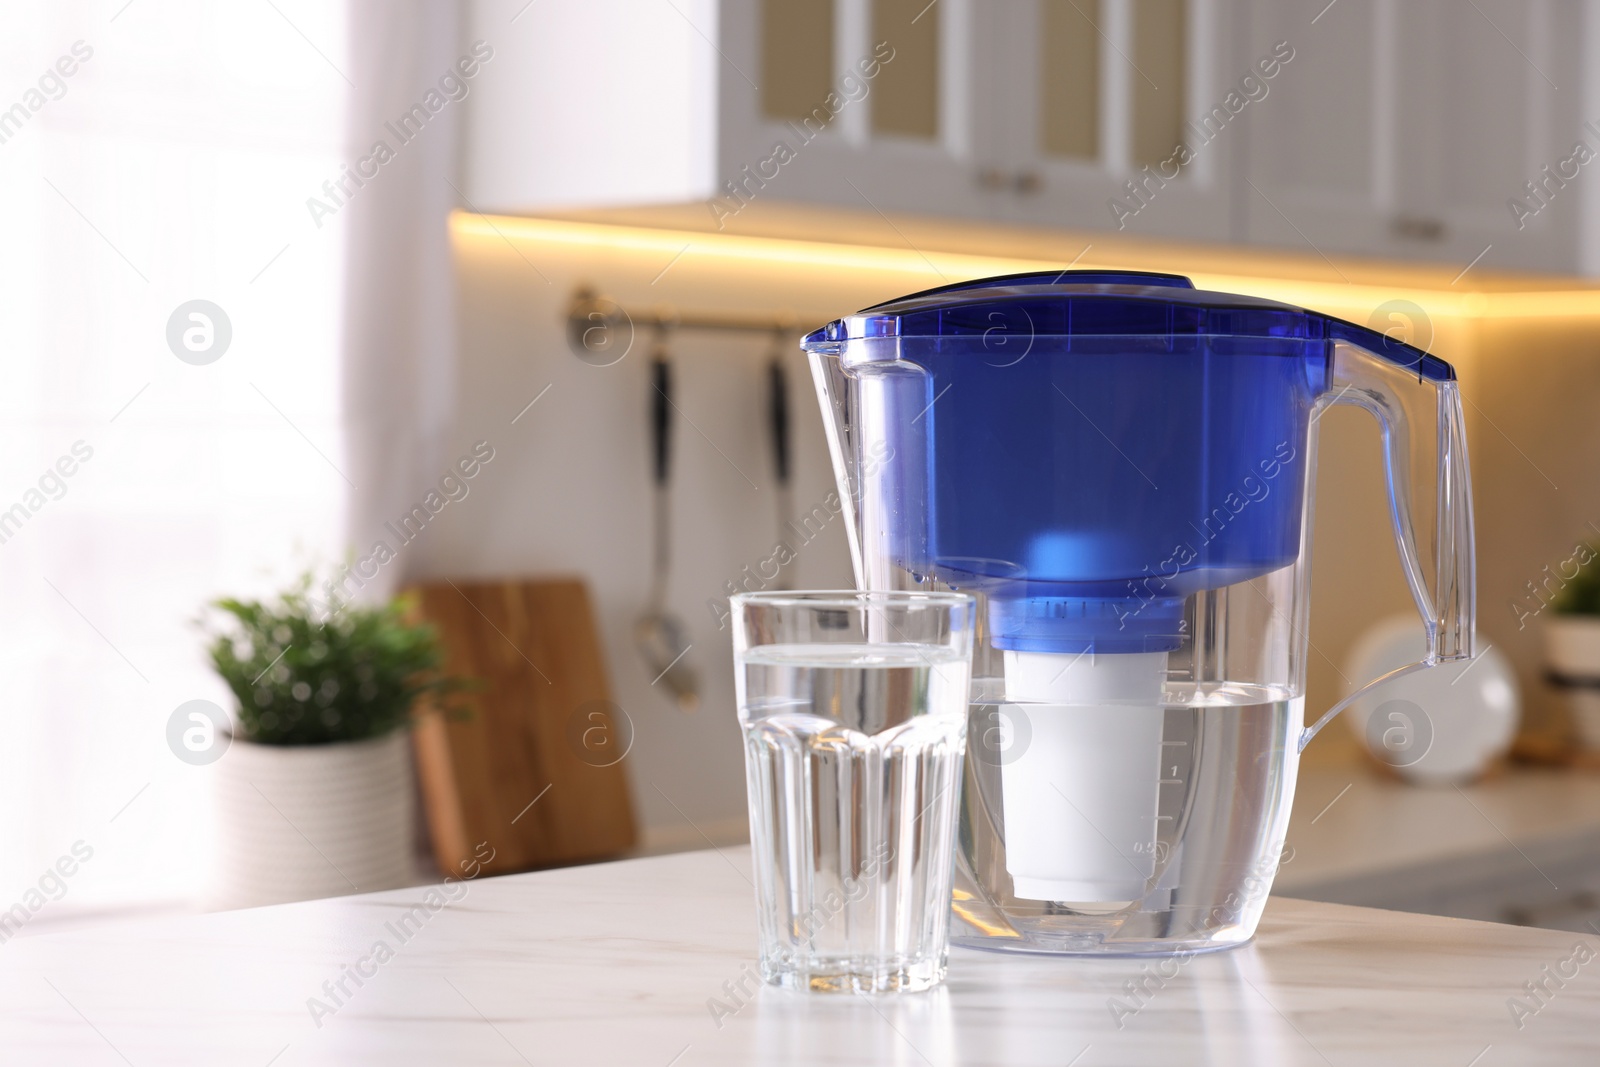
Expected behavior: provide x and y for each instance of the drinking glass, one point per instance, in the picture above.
(853, 708)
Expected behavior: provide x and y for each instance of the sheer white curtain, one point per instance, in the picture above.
(399, 367)
(155, 153)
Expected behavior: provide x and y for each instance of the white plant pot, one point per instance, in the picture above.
(1572, 650)
(296, 822)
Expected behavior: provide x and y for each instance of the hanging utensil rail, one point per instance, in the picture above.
(601, 330)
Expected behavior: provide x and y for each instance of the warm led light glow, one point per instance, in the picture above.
(1348, 300)
(751, 249)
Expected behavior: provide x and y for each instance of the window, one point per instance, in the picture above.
(172, 164)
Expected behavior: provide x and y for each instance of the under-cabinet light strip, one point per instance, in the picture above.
(1346, 298)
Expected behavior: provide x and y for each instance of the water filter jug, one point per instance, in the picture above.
(1120, 467)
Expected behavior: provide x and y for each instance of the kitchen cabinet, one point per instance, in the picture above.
(1049, 112)
(1407, 129)
(1404, 130)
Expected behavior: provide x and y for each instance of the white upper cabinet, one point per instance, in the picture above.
(1412, 129)
(586, 103)
(1065, 113)
(1433, 129)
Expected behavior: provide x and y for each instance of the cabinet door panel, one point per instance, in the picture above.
(1101, 102)
(1160, 58)
(1316, 174)
(905, 99)
(796, 70)
(1485, 74)
(1069, 82)
(894, 126)
(1312, 135)
(1401, 129)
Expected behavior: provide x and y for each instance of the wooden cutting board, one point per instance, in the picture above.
(534, 768)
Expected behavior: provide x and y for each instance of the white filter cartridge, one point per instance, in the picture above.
(1082, 795)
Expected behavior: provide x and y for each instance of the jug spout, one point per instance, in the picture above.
(833, 395)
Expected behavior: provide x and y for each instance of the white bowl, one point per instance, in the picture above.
(1438, 726)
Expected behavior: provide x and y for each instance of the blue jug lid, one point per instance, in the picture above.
(1085, 303)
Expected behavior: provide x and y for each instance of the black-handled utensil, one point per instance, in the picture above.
(662, 638)
(778, 417)
(782, 459)
(661, 415)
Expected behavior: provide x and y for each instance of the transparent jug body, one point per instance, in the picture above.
(1134, 515)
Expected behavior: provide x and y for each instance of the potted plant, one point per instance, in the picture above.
(314, 792)
(1572, 643)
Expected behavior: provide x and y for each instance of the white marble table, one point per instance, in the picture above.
(617, 964)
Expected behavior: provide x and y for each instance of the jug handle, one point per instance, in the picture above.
(1416, 401)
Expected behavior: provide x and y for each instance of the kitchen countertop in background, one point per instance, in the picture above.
(639, 963)
(1521, 846)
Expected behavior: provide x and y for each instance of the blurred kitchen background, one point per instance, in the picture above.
(424, 231)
